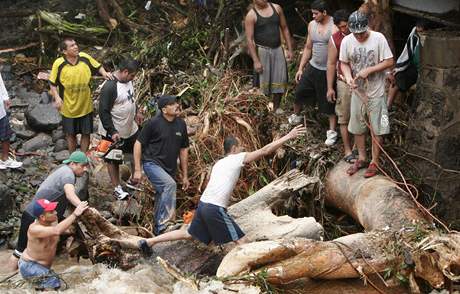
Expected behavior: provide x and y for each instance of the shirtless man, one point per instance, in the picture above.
(43, 236)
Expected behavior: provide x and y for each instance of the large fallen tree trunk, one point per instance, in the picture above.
(398, 234)
(108, 243)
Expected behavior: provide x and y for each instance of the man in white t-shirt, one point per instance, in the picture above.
(364, 56)
(5, 130)
(211, 221)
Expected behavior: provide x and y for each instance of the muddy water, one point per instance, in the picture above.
(84, 277)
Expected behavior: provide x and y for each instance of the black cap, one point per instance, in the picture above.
(166, 100)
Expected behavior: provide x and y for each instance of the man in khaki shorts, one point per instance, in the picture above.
(364, 57)
(343, 97)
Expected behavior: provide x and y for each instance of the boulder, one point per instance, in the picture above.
(25, 134)
(40, 141)
(6, 202)
(61, 155)
(43, 117)
(58, 134)
(60, 145)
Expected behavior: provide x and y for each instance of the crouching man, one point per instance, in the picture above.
(211, 223)
(43, 236)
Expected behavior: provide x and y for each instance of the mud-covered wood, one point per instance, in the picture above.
(389, 217)
(109, 244)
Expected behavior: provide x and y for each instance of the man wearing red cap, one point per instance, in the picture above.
(59, 187)
(36, 260)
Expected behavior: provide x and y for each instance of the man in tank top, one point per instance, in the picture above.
(311, 79)
(262, 24)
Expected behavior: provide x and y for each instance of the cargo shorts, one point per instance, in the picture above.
(342, 104)
(375, 113)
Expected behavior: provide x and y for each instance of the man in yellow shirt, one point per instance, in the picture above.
(69, 79)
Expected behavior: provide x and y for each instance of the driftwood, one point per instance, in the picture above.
(110, 244)
(390, 217)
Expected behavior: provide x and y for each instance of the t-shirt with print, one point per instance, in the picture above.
(52, 189)
(162, 140)
(224, 175)
(366, 54)
(72, 82)
(117, 109)
(3, 97)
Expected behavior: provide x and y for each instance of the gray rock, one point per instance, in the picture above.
(61, 155)
(6, 202)
(43, 117)
(60, 145)
(81, 187)
(45, 98)
(30, 98)
(58, 134)
(27, 162)
(25, 134)
(40, 141)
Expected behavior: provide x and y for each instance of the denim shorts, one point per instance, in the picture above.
(39, 275)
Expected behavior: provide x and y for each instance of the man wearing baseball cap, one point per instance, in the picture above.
(162, 140)
(364, 57)
(35, 262)
(59, 187)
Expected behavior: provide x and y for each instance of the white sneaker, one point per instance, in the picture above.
(119, 193)
(10, 163)
(295, 119)
(331, 138)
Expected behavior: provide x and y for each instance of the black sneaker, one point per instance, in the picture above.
(144, 247)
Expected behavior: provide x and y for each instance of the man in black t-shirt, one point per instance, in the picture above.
(161, 141)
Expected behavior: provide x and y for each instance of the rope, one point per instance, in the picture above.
(406, 185)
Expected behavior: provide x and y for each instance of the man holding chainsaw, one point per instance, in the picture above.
(118, 118)
(364, 56)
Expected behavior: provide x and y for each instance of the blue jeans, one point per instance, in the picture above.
(165, 197)
(39, 275)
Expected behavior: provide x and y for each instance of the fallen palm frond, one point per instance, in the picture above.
(57, 23)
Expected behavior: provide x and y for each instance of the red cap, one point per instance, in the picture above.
(43, 205)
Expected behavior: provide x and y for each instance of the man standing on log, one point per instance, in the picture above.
(211, 221)
(118, 118)
(312, 81)
(364, 57)
(43, 237)
(162, 140)
(335, 78)
(58, 186)
(262, 25)
(69, 79)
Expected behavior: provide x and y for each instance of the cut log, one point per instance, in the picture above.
(393, 222)
(108, 243)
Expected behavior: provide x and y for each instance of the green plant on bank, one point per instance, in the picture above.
(259, 279)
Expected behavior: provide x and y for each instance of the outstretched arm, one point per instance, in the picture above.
(270, 148)
(43, 232)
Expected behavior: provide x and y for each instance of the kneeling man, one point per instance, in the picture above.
(43, 236)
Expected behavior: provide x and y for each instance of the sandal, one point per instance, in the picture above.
(371, 171)
(350, 158)
(359, 164)
(144, 248)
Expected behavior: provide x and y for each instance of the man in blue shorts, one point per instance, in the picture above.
(211, 221)
(35, 262)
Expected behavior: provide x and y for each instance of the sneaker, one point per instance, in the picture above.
(144, 247)
(10, 163)
(331, 138)
(295, 119)
(119, 193)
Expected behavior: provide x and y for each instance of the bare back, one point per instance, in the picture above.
(41, 250)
